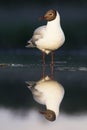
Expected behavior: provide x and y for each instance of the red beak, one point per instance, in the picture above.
(42, 112)
(41, 18)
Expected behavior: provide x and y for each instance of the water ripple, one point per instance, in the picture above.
(61, 66)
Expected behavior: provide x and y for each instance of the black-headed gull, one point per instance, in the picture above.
(50, 93)
(49, 37)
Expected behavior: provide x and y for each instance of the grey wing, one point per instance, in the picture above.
(31, 85)
(40, 30)
(38, 33)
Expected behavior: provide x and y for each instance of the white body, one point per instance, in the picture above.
(49, 37)
(48, 92)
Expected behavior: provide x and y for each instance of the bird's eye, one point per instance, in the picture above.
(50, 116)
(51, 14)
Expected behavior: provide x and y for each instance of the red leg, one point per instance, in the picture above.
(52, 58)
(43, 54)
(52, 64)
(43, 60)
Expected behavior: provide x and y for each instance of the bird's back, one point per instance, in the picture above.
(51, 95)
(50, 89)
(38, 33)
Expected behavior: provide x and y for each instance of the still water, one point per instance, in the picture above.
(33, 120)
(19, 111)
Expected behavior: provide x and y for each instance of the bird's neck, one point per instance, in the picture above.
(54, 24)
(54, 107)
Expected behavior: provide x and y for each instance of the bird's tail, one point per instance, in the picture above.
(30, 84)
(30, 44)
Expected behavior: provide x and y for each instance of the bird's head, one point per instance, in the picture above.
(49, 115)
(49, 15)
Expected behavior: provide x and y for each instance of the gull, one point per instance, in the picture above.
(49, 93)
(49, 37)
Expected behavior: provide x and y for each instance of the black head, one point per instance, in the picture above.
(50, 15)
(49, 115)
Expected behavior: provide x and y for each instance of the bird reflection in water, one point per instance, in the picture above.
(49, 93)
